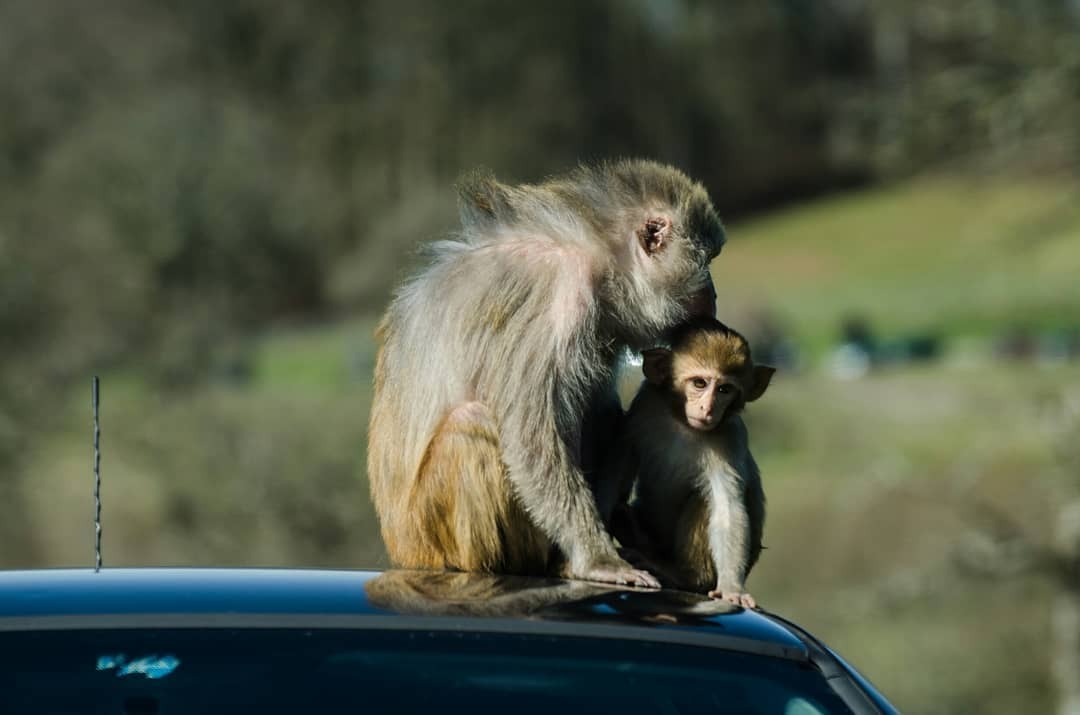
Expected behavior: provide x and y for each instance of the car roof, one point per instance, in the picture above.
(313, 598)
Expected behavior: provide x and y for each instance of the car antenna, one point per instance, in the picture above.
(95, 401)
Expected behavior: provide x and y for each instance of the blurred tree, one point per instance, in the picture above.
(990, 82)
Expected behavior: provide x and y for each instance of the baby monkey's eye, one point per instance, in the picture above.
(699, 383)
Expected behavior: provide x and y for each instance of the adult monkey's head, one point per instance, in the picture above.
(661, 231)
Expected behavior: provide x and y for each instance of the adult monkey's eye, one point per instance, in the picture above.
(699, 383)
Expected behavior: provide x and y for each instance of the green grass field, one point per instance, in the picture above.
(868, 481)
(941, 255)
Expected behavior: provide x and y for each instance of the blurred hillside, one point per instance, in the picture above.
(176, 175)
(210, 205)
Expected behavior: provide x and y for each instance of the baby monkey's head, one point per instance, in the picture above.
(708, 372)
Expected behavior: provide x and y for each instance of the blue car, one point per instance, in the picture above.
(159, 641)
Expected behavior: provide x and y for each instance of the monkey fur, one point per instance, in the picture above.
(494, 393)
(699, 510)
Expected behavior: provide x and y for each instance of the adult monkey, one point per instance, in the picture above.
(494, 384)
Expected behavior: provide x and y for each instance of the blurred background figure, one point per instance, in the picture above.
(856, 352)
(209, 203)
(859, 350)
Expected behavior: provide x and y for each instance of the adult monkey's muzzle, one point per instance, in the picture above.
(703, 302)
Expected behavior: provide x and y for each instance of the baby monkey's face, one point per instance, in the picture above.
(707, 395)
(707, 374)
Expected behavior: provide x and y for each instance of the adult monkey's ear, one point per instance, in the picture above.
(762, 375)
(655, 235)
(656, 364)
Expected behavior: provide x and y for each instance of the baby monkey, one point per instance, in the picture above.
(699, 509)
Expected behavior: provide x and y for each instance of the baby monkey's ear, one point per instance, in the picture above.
(760, 379)
(762, 375)
(656, 364)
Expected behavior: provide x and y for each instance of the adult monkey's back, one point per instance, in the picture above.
(495, 356)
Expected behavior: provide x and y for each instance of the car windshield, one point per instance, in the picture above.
(293, 670)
